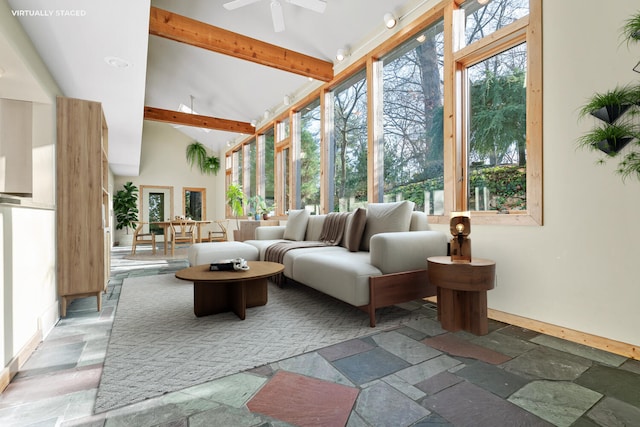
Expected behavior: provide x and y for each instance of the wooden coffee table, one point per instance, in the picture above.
(222, 291)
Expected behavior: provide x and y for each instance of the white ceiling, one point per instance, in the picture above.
(164, 74)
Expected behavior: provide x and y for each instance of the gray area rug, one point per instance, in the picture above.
(147, 255)
(157, 345)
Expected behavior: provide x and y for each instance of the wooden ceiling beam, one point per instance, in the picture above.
(186, 119)
(179, 28)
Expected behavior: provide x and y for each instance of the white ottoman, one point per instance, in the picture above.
(208, 252)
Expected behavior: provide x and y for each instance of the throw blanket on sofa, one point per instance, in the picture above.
(331, 235)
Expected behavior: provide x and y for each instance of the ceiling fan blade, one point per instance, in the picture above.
(238, 3)
(277, 16)
(315, 5)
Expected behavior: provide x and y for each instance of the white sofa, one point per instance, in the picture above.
(388, 268)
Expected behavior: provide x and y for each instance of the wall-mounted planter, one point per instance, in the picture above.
(611, 113)
(612, 146)
(609, 138)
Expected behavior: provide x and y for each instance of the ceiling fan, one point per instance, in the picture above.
(276, 9)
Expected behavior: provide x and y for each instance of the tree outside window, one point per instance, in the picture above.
(495, 106)
(269, 162)
(349, 145)
(308, 176)
(497, 132)
(413, 122)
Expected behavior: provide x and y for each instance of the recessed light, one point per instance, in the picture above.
(116, 62)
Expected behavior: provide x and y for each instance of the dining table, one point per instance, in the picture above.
(166, 227)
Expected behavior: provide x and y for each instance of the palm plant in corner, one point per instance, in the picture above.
(125, 208)
(197, 156)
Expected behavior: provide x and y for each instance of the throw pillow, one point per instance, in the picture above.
(296, 226)
(385, 218)
(354, 229)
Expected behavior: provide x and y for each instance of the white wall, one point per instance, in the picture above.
(163, 162)
(578, 270)
(29, 305)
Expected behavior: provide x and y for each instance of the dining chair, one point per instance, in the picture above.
(219, 235)
(182, 231)
(142, 238)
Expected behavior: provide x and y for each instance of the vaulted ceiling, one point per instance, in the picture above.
(226, 68)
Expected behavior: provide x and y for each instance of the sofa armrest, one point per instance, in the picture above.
(407, 250)
(273, 232)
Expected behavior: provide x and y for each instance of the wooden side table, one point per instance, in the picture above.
(462, 292)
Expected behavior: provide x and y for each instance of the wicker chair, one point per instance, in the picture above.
(141, 238)
(182, 231)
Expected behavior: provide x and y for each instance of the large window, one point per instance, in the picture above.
(308, 175)
(447, 113)
(348, 171)
(412, 122)
(483, 20)
(499, 140)
(238, 167)
(497, 133)
(269, 170)
(250, 150)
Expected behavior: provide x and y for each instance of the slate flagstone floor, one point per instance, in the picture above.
(417, 375)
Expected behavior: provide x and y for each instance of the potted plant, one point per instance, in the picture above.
(197, 156)
(260, 206)
(236, 200)
(125, 208)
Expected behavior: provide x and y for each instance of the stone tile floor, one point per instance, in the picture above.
(415, 375)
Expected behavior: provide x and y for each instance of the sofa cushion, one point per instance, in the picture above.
(296, 224)
(343, 275)
(354, 229)
(314, 227)
(385, 218)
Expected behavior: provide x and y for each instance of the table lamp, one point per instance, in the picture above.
(460, 227)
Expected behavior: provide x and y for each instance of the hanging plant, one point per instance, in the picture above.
(211, 165)
(197, 156)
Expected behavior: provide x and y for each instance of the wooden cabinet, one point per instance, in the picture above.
(248, 228)
(82, 201)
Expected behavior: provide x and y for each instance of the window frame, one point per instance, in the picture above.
(524, 30)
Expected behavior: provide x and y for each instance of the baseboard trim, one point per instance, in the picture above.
(595, 341)
(12, 368)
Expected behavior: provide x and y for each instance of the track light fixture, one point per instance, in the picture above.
(287, 100)
(341, 54)
(254, 123)
(390, 21)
